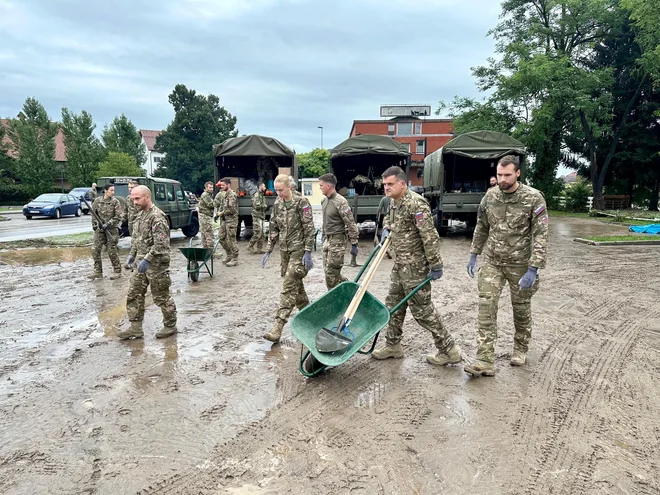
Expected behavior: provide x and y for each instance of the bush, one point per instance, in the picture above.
(14, 194)
(577, 197)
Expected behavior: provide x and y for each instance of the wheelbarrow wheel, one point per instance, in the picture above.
(311, 364)
(193, 270)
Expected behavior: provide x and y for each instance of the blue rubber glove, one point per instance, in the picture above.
(384, 234)
(528, 279)
(354, 250)
(264, 259)
(435, 274)
(143, 266)
(472, 265)
(307, 260)
(104, 227)
(130, 259)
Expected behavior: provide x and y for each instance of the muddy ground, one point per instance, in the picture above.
(216, 409)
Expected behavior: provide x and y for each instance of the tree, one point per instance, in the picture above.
(314, 163)
(6, 161)
(119, 165)
(83, 149)
(645, 15)
(123, 137)
(32, 137)
(470, 115)
(199, 123)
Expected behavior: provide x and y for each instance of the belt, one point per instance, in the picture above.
(328, 236)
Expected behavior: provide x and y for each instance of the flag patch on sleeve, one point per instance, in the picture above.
(419, 217)
(307, 211)
(539, 210)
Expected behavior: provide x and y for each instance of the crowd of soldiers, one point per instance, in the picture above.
(511, 234)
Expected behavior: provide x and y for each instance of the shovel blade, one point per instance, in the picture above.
(330, 341)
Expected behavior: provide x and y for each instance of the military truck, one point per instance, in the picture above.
(167, 194)
(457, 175)
(358, 163)
(248, 160)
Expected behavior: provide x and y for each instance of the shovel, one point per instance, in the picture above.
(331, 340)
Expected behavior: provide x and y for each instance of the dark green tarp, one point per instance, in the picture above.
(368, 144)
(484, 145)
(252, 145)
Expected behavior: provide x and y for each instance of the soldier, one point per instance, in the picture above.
(130, 213)
(228, 215)
(294, 187)
(256, 244)
(93, 192)
(292, 225)
(416, 247)
(512, 232)
(338, 227)
(151, 250)
(108, 210)
(219, 203)
(205, 209)
(493, 181)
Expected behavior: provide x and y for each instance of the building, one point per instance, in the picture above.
(312, 191)
(409, 125)
(153, 157)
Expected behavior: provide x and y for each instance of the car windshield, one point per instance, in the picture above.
(49, 198)
(78, 191)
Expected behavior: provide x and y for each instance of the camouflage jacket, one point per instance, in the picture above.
(338, 218)
(108, 209)
(292, 225)
(259, 205)
(230, 209)
(414, 238)
(151, 237)
(512, 229)
(130, 211)
(206, 204)
(219, 202)
(93, 194)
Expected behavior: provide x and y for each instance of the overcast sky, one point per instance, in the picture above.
(282, 67)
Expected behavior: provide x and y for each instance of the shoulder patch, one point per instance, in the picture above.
(539, 210)
(307, 211)
(419, 217)
(544, 220)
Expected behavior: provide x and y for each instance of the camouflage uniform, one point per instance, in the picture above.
(205, 209)
(229, 225)
(416, 248)
(130, 213)
(292, 225)
(109, 210)
(512, 232)
(219, 203)
(258, 218)
(93, 194)
(337, 223)
(152, 243)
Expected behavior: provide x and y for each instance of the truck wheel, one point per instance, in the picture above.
(442, 231)
(192, 228)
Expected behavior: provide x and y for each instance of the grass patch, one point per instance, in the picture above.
(559, 213)
(635, 213)
(2, 219)
(612, 238)
(72, 240)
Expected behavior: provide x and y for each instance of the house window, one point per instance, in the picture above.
(307, 189)
(158, 159)
(390, 129)
(420, 146)
(418, 127)
(405, 129)
(406, 146)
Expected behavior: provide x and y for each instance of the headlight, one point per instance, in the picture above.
(48, 207)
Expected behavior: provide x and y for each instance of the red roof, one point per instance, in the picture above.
(60, 149)
(150, 138)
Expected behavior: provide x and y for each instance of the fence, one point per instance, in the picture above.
(561, 201)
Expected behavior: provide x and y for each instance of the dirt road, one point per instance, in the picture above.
(217, 410)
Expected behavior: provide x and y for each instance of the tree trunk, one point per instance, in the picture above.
(655, 191)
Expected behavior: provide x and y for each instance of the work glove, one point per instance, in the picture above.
(472, 265)
(104, 226)
(354, 250)
(129, 261)
(264, 259)
(143, 266)
(307, 260)
(435, 274)
(528, 279)
(385, 233)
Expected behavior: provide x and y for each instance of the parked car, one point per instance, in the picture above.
(54, 205)
(80, 192)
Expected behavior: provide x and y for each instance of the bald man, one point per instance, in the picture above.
(150, 248)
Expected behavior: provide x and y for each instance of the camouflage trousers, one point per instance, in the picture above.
(130, 228)
(491, 280)
(206, 230)
(109, 239)
(159, 279)
(227, 236)
(258, 235)
(334, 249)
(293, 290)
(404, 278)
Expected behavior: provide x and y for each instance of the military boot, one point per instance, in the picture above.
(518, 358)
(166, 332)
(115, 275)
(388, 351)
(250, 250)
(479, 368)
(276, 332)
(232, 262)
(452, 356)
(95, 275)
(132, 332)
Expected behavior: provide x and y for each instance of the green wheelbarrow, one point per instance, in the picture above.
(369, 319)
(198, 258)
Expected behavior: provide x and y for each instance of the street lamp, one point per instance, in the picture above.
(321, 127)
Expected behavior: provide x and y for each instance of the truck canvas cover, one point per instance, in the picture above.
(368, 144)
(485, 145)
(252, 145)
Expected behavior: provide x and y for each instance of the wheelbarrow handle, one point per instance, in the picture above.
(412, 293)
(366, 263)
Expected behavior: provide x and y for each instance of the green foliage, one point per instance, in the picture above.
(470, 115)
(14, 194)
(119, 164)
(645, 15)
(6, 161)
(33, 142)
(123, 137)
(199, 123)
(577, 196)
(314, 163)
(83, 149)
